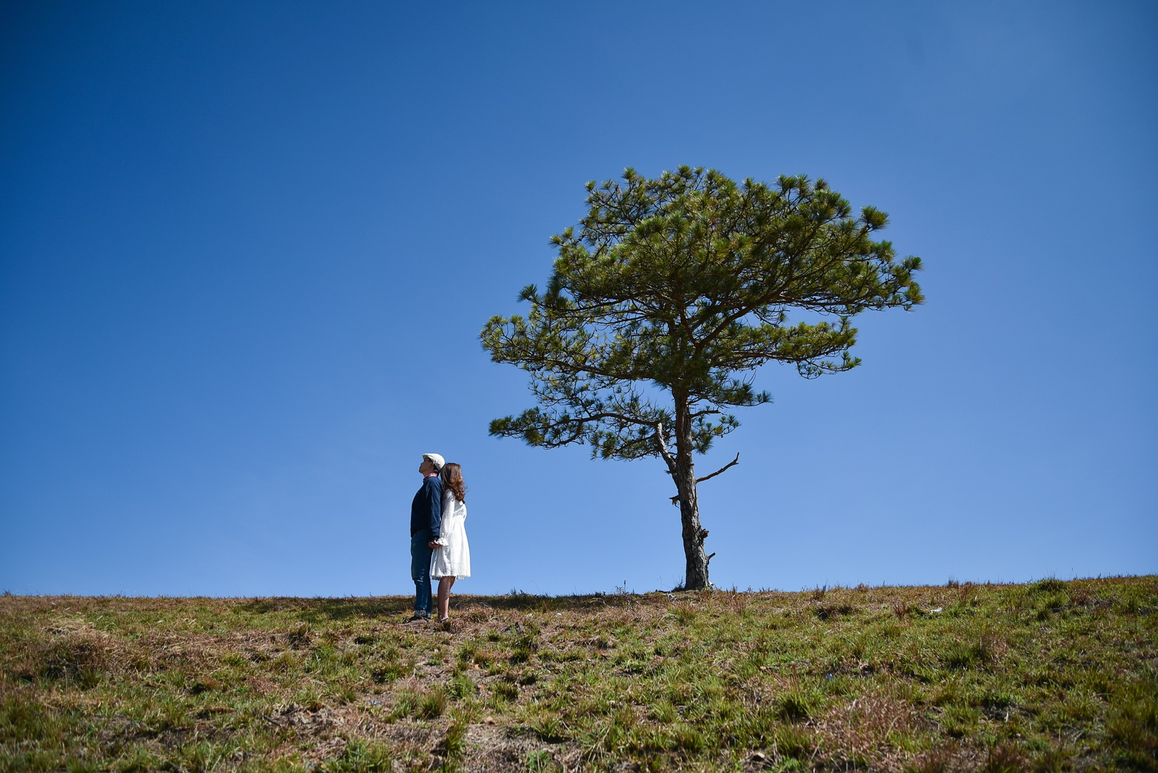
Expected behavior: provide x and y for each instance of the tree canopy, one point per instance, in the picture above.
(667, 297)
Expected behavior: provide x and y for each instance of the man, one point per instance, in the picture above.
(425, 525)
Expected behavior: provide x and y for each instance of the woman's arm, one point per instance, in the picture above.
(448, 501)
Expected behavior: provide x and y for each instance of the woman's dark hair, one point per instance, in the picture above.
(451, 475)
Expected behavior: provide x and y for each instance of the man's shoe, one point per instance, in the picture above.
(417, 618)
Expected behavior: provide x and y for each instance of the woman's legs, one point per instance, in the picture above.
(444, 584)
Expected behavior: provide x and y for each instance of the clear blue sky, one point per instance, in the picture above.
(246, 250)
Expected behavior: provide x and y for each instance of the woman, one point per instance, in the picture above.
(452, 558)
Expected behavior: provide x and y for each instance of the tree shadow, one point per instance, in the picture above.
(533, 603)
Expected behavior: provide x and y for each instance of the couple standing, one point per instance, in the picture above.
(438, 546)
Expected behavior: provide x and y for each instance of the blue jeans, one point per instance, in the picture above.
(420, 571)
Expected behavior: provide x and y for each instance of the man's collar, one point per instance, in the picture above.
(432, 475)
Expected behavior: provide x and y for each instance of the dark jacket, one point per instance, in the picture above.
(426, 509)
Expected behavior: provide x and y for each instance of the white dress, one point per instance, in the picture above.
(453, 558)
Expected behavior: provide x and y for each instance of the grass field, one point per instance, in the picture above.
(1048, 676)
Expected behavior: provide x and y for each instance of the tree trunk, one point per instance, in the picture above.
(696, 573)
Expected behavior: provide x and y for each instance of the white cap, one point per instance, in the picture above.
(439, 462)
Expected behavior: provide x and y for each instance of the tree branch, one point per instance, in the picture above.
(609, 415)
(717, 472)
(579, 424)
(661, 441)
(675, 500)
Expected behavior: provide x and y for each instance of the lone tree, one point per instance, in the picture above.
(669, 295)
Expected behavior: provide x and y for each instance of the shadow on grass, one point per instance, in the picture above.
(379, 607)
(318, 609)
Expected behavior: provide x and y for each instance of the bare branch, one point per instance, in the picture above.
(661, 441)
(676, 500)
(717, 472)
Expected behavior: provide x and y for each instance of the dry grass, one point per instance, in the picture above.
(1049, 676)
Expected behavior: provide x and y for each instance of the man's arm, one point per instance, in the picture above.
(434, 507)
(447, 509)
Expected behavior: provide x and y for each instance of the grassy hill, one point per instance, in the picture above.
(1048, 676)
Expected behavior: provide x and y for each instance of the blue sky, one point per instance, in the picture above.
(246, 250)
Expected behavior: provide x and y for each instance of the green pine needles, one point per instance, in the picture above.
(670, 294)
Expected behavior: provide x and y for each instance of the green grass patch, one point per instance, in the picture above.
(1052, 675)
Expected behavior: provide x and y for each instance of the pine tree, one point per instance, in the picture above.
(669, 295)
